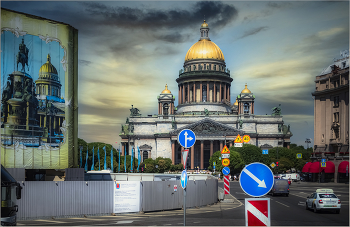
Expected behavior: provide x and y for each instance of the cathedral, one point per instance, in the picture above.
(205, 107)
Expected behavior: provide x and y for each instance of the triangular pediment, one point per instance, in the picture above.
(209, 127)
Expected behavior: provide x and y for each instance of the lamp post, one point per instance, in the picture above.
(307, 141)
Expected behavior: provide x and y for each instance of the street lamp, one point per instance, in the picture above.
(307, 141)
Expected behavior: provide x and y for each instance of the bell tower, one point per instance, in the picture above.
(246, 102)
(166, 103)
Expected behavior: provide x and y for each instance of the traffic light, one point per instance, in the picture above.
(276, 163)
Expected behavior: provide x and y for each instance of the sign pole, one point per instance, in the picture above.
(184, 206)
(186, 138)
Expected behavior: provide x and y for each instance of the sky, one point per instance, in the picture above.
(128, 51)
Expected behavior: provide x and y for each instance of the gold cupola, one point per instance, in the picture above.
(48, 67)
(166, 91)
(204, 48)
(204, 25)
(236, 103)
(246, 90)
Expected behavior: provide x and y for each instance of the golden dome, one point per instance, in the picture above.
(204, 25)
(48, 67)
(204, 49)
(236, 103)
(246, 90)
(166, 91)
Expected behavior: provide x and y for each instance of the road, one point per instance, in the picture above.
(290, 211)
(285, 211)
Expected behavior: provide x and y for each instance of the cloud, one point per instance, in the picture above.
(219, 14)
(330, 32)
(327, 40)
(269, 10)
(84, 62)
(253, 31)
(279, 5)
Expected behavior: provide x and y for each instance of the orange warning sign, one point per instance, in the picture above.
(225, 162)
(238, 139)
(225, 150)
(246, 138)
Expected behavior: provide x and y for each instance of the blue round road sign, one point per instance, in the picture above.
(186, 138)
(256, 179)
(184, 179)
(226, 170)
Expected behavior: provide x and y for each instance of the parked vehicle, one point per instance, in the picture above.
(280, 187)
(293, 176)
(323, 199)
(10, 192)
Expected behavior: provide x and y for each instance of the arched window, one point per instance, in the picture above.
(246, 107)
(165, 110)
(204, 92)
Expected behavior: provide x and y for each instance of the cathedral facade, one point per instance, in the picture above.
(205, 107)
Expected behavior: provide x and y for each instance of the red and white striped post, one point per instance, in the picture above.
(227, 185)
(257, 212)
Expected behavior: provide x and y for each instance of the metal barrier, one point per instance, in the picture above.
(65, 199)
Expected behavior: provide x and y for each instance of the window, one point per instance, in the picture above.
(165, 110)
(204, 91)
(327, 196)
(144, 155)
(246, 107)
(336, 101)
(336, 117)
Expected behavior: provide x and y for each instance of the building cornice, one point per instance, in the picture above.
(331, 90)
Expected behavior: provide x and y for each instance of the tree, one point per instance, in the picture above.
(163, 164)
(149, 165)
(250, 154)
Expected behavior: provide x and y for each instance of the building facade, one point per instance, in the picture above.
(331, 113)
(205, 107)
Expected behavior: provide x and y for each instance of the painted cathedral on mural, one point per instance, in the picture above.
(32, 112)
(205, 107)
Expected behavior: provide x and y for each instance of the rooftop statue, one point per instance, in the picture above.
(134, 111)
(240, 124)
(206, 112)
(277, 111)
(22, 56)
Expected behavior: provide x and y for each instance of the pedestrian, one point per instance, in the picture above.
(234, 177)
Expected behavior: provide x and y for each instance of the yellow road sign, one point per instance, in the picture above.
(273, 165)
(323, 164)
(225, 162)
(238, 139)
(246, 138)
(225, 150)
(299, 155)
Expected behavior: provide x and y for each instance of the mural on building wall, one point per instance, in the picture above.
(34, 69)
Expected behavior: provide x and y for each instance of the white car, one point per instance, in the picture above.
(323, 199)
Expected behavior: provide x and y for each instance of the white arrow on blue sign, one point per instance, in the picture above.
(186, 138)
(265, 151)
(256, 179)
(226, 170)
(323, 160)
(184, 179)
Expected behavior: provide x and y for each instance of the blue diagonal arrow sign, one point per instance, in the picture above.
(256, 179)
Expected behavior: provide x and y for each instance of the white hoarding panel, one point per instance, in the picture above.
(126, 196)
